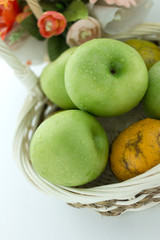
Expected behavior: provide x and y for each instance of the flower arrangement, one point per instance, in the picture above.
(67, 23)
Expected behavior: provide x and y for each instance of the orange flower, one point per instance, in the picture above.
(7, 16)
(21, 16)
(51, 23)
(4, 2)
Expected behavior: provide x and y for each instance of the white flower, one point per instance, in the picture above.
(116, 20)
(125, 3)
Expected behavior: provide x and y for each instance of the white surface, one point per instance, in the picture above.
(27, 214)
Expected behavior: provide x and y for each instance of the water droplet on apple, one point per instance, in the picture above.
(122, 60)
(82, 107)
(85, 108)
(38, 136)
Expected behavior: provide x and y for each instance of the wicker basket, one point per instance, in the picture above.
(105, 194)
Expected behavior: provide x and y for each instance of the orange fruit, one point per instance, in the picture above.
(136, 149)
(149, 51)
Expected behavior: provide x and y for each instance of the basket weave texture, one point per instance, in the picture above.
(105, 194)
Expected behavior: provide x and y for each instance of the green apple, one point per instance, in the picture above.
(106, 77)
(52, 81)
(70, 148)
(152, 97)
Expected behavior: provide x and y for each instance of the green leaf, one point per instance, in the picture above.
(48, 7)
(22, 3)
(56, 46)
(30, 25)
(76, 10)
(51, 6)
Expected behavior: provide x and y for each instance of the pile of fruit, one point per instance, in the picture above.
(100, 78)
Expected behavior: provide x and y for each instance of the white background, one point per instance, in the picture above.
(27, 214)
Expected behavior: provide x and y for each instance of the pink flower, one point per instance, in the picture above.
(83, 31)
(125, 3)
